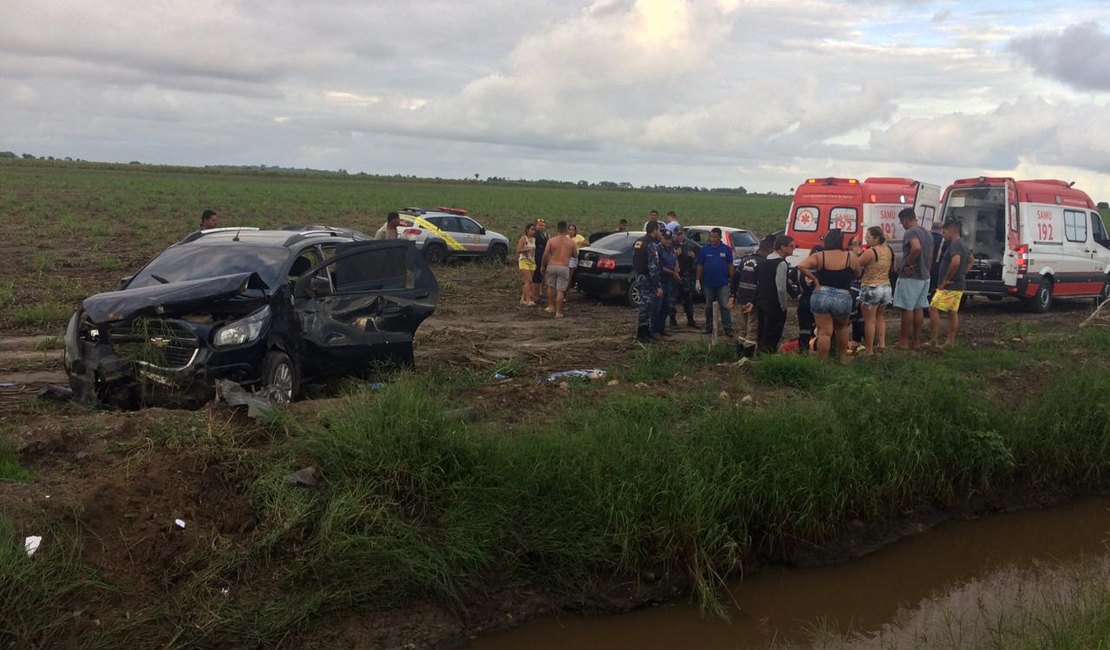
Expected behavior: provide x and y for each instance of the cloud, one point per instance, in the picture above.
(1079, 56)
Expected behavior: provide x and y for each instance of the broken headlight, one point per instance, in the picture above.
(242, 331)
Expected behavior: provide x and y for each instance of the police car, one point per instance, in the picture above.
(446, 232)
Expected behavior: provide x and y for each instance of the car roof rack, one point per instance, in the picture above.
(197, 234)
(301, 236)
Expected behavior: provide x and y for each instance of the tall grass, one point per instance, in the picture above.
(37, 592)
(417, 506)
(9, 460)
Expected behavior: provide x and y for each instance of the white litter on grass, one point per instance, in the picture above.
(180, 523)
(592, 374)
(31, 544)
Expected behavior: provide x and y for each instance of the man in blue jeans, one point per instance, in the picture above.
(714, 274)
(911, 292)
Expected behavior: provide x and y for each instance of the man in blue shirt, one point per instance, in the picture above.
(714, 273)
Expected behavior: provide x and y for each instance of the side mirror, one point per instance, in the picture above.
(482, 231)
(124, 281)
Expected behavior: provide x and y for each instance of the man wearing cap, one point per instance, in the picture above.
(686, 252)
(743, 296)
(649, 280)
(389, 229)
(668, 270)
(911, 292)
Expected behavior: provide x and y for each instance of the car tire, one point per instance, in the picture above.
(632, 295)
(1103, 295)
(435, 254)
(280, 378)
(498, 253)
(1041, 301)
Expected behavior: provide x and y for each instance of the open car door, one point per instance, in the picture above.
(362, 306)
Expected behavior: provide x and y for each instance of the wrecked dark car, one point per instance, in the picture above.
(267, 309)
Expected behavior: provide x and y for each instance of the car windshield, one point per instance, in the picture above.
(617, 240)
(209, 260)
(744, 238)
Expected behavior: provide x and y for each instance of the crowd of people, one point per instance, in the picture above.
(842, 289)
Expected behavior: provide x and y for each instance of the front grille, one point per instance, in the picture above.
(155, 342)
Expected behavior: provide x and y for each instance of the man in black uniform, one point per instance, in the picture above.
(743, 296)
(770, 294)
(649, 280)
(687, 253)
(541, 245)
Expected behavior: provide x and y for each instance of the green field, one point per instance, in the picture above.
(74, 229)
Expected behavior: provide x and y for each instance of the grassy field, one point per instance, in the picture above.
(71, 230)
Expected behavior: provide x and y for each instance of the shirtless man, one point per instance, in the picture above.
(556, 269)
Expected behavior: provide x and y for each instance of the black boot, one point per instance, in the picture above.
(674, 322)
(643, 334)
(690, 322)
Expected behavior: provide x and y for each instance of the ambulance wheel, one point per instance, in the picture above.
(1042, 300)
(1104, 295)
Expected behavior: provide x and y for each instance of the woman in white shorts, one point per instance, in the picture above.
(875, 293)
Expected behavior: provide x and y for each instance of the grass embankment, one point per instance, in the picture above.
(417, 506)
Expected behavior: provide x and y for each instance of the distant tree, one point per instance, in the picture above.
(8, 154)
(583, 183)
(1102, 205)
(28, 156)
(475, 176)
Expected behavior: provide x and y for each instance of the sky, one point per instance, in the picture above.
(714, 93)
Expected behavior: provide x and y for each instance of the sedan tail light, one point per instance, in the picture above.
(607, 263)
(414, 232)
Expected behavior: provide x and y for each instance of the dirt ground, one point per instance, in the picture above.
(100, 472)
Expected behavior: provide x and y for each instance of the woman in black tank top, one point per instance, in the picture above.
(832, 271)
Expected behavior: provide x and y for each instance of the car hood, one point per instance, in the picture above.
(172, 297)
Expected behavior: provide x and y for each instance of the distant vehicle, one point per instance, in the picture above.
(1037, 240)
(267, 309)
(605, 268)
(845, 203)
(742, 242)
(448, 232)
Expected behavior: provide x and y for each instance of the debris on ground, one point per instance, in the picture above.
(592, 374)
(236, 395)
(306, 477)
(746, 400)
(55, 393)
(613, 382)
(31, 544)
(180, 523)
(640, 385)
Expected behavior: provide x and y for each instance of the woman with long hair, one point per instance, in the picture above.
(832, 272)
(526, 262)
(874, 292)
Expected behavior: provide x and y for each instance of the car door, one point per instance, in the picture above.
(472, 235)
(1076, 269)
(362, 305)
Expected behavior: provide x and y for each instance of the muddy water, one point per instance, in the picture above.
(780, 604)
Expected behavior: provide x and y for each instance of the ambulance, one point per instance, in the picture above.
(846, 203)
(1037, 240)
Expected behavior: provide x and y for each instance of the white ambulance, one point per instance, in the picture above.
(1037, 240)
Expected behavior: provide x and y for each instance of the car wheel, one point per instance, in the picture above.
(498, 253)
(435, 254)
(280, 379)
(1103, 295)
(632, 295)
(1042, 300)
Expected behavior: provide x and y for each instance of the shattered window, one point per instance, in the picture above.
(372, 270)
(210, 260)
